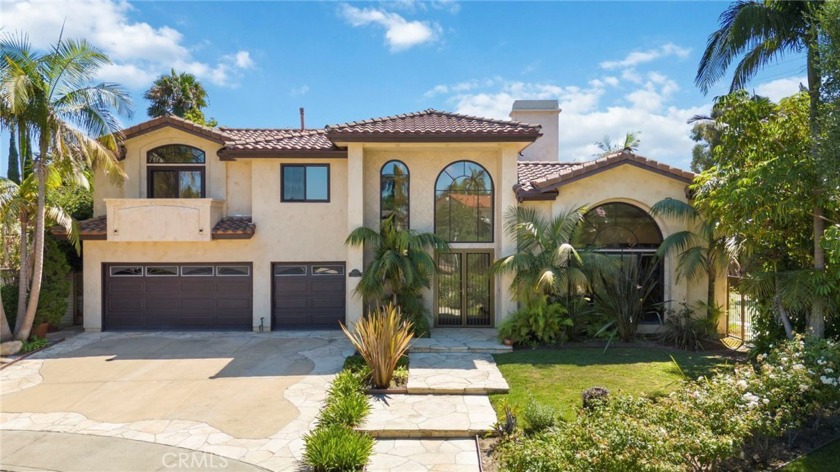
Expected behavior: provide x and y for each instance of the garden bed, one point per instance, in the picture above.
(399, 384)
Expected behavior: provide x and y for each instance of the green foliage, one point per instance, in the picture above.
(13, 172)
(685, 330)
(539, 417)
(349, 409)
(540, 322)
(33, 344)
(177, 94)
(622, 298)
(336, 448)
(607, 146)
(402, 266)
(357, 364)
(381, 337)
(546, 263)
(56, 286)
(10, 302)
(700, 426)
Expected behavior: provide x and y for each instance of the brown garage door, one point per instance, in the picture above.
(308, 295)
(178, 296)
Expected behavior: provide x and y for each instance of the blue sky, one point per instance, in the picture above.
(614, 66)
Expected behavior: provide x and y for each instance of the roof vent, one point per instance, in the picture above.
(302, 120)
(627, 150)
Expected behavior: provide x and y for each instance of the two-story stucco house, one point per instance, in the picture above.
(245, 228)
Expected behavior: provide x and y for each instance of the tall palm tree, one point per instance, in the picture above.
(607, 146)
(763, 32)
(177, 94)
(403, 264)
(546, 263)
(72, 122)
(699, 250)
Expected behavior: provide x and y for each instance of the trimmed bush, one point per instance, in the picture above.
(336, 448)
(538, 417)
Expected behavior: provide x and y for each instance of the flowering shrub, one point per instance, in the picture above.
(697, 427)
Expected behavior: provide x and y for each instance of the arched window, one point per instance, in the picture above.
(394, 193)
(618, 226)
(175, 171)
(629, 233)
(464, 203)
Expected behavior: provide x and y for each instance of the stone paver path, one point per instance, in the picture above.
(280, 450)
(429, 416)
(448, 373)
(460, 340)
(422, 455)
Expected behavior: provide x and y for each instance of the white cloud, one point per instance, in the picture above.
(298, 91)
(400, 34)
(665, 135)
(636, 58)
(140, 51)
(780, 88)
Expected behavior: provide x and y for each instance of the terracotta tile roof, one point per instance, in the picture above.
(433, 125)
(538, 180)
(234, 227)
(244, 141)
(474, 201)
(213, 134)
(93, 228)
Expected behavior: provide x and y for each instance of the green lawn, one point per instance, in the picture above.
(823, 459)
(558, 376)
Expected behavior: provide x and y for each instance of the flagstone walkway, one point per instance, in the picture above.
(433, 426)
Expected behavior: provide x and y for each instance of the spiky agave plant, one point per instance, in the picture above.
(382, 337)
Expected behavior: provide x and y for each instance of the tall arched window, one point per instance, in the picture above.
(627, 232)
(394, 193)
(175, 171)
(464, 203)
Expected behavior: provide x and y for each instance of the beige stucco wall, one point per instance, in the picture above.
(286, 231)
(425, 162)
(642, 188)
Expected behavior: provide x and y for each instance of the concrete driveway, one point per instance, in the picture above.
(245, 396)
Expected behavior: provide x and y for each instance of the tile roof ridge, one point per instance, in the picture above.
(428, 111)
(488, 120)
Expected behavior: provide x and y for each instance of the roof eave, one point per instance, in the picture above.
(232, 154)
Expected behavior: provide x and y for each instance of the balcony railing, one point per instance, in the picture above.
(162, 219)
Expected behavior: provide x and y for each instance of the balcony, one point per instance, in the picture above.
(162, 219)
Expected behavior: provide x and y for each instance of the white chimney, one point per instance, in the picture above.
(545, 113)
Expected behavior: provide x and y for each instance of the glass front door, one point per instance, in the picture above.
(464, 289)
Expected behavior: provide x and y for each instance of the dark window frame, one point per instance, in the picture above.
(408, 189)
(151, 169)
(203, 155)
(492, 194)
(283, 198)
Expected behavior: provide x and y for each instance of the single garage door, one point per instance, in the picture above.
(308, 295)
(178, 296)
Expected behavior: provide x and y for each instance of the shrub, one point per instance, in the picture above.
(685, 330)
(346, 382)
(700, 426)
(381, 338)
(10, 303)
(34, 344)
(348, 409)
(623, 298)
(538, 417)
(52, 304)
(541, 322)
(336, 448)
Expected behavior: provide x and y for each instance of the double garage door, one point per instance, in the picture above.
(178, 296)
(220, 296)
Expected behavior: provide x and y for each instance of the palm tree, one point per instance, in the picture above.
(546, 263)
(607, 147)
(177, 94)
(403, 264)
(700, 250)
(763, 32)
(70, 120)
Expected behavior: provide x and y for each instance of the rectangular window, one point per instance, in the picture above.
(174, 182)
(197, 271)
(289, 270)
(327, 270)
(305, 183)
(126, 271)
(161, 271)
(236, 271)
